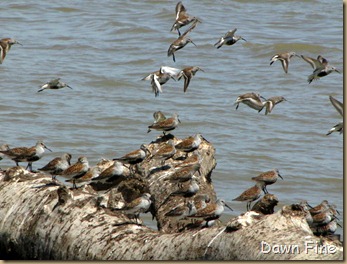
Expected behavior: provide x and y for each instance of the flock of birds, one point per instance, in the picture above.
(323, 217)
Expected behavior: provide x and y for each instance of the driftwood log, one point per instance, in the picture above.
(41, 219)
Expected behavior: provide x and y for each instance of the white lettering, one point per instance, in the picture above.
(262, 250)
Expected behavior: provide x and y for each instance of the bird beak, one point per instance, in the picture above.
(201, 70)
(193, 43)
(309, 206)
(69, 86)
(18, 43)
(179, 120)
(47, 148)
(262, 97)
(337, 70)
(280, 176)
(244, 39)
(228, 207)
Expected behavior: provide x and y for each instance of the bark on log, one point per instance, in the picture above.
(41, 220)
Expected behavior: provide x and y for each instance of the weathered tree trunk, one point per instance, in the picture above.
(43, 220)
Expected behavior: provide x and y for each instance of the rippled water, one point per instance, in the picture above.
(103, 49)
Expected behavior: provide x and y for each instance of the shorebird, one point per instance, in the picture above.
(212, 211)
(158, 116)
(76, 170)
(323, 206)
(320, 67)
(268, 178)
(201, 200)
(187, 74)
(165, 125)
(54, 84)
(5, 46)
(110, 174)
(339, 107)
(88, 176)
(189, 144)
(184, 174)
(323, 218)
(284, 58)
(188, 188)
(160, 77)
(137, 206)
(228, 39)
(251, 194)
(24, 154)
(266, 204)
(325, 230)
(180, 42)
(3, 147)
(165, 152)
(182, 211)
(192, 159)
(253, 100)
(182, 18)
(271, 102)
(57, 165)
(134, 157)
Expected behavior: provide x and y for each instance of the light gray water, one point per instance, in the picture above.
(103, 49)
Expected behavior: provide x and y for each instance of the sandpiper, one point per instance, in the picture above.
(323, 218)
(268, 178)
(110, 174)
(325, 229)
(158, 116)
(188, 73)
(180, 42)
(165, 152)
(182, 18)
(189, 144)
(5, 46)
(192, 159)
(76, 170)
(212, 211)
(201, 200)
(184, 174)
(253, 100)
(188, 188)
(251, 194)
(323, 206)
(165, 125)
(135, 156)
(57, 165)
(54, 84)
(271, 102)
(24, 154)
(88, 176)
(160, 77)
(284, 58)
(320, 67)
(266, 204)
(228, 39)
(3, 147)
(137, 206)
(339, 107)
(182, 211)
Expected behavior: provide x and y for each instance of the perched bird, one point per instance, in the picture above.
(192, 159)
(5, 46)
(188, 188)
(271, 102)
(165, 152)
(189, 144)
(201, 200)
(76, 170)
(268, 178)
(253, 100)
(180, 42)
(160, 77)
(182, 18)
(320, 67)
(110, 174)
(251, 194)
(158, 116)
(137, 206)
(266, 204)
(165, 125)
(228, 39)
(212, 211)
(182, 211)
(53, 84)
(284, 58)
(3, 147)
(24, 154)
(88, 176)
(323, 206)
(187, 74)
(323, 218)
(134, 157)
(184, 174)
(57, 165)
(339, 107)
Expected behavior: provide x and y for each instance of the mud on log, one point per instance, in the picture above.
(44, 220)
